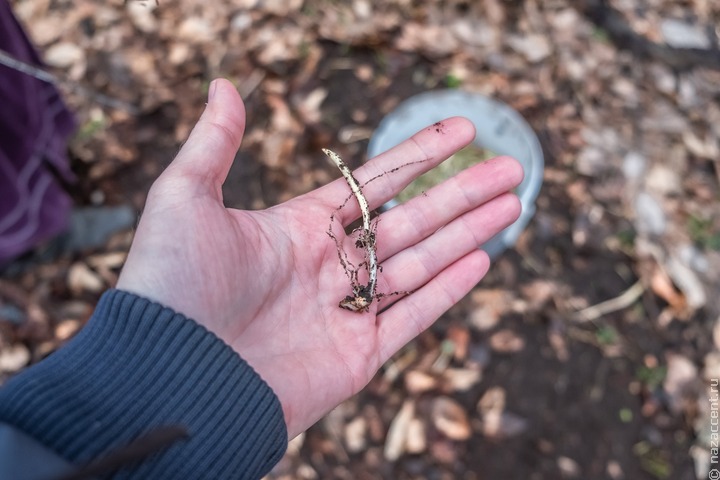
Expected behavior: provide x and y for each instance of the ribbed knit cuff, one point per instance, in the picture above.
(137, 366)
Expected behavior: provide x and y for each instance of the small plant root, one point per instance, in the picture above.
(362, 295)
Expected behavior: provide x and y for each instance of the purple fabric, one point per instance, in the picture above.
(34, 127)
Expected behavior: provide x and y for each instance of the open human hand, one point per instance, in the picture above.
(268, 282)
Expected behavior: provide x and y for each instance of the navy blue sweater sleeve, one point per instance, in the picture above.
(137, 366)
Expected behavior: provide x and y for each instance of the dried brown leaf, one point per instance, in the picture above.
(492, 400)
(663, 287)
(64, 55)
(355, 433)
(397, 435)
(461, 379)
(433, 40)
(504, 425)
(507, 341)
(308, 107)
(13, 357)
(109, 261)
(459, 335)
(539, 293)
(568, 467)
(296, 444)
(416, 437)
(282, 8)
(534, 47)
(141, 15)
(708, 147)
(492, 304)
(496, 422)
(67, 328)
(82, 279)
(450, 418)
(196, 30)
(681, 381)
(417, 381)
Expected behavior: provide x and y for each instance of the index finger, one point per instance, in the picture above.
(407, 161)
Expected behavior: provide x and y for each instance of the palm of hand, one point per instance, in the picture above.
(268, 282)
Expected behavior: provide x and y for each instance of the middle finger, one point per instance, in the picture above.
(413, 221)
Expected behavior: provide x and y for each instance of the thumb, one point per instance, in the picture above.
(210, 150)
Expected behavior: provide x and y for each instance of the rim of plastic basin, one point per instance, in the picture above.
(499, 128)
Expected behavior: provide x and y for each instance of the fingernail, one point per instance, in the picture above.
(211, 89)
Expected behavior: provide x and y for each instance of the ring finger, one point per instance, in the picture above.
(416, 265)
